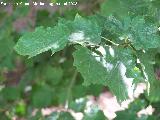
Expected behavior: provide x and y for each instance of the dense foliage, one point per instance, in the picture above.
(115, 43)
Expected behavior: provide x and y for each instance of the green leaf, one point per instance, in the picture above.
(87, 65)
(110, 73)
(60, 116)
(141, 34)
(42, 97)
(21, 108)
(85, 31)
(148, 60)
(80, 31)
(123, 115)
(42, 40)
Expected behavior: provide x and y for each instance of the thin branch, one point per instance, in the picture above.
(69, 92)
(110, 41)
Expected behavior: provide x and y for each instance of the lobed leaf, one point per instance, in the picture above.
(108, 73)
(149, 62)
(79, 31)
(42, 40)
(141, 34)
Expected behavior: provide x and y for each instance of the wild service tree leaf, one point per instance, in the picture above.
(148, 60)
(43, 39)
(108, 73)
(87, 65)
(141, 34)
(90, 28)
(120, 61)
(84, 31)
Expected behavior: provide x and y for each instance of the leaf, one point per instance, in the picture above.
(109, 73)
(60, 116)
(84, 31)
(21, 108)
(148, 60)
(42, 97)
(87, 65)
(98, 19)
(42, 40)
(141, 34)
(80, 31)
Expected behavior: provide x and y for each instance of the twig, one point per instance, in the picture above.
(110, 41)
(69, 92)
